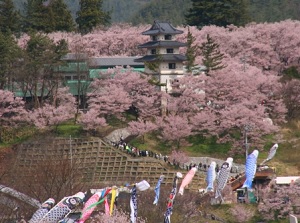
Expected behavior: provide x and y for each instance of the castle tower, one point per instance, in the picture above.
(163, 59)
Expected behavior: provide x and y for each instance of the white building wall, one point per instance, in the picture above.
(164, 51)
(164, 68)
(166, 75)
(286, 180)
(168, 79)
(162, 37)
(158, 51)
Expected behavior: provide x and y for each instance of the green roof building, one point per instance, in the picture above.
(81, 69)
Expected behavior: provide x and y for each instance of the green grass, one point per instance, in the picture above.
(11, 136)
(68, 129)
(117, 123)
(152, 142)
(195, 145)
(206, 146)
(22, 134)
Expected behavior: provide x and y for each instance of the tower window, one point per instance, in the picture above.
(168, 37)
(170, 50)
(172, 66)
(154, 38)
(153, 51)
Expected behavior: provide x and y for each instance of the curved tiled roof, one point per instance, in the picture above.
(162, 28)
(154, 44)
(164, 57)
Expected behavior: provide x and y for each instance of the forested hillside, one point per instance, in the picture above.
(122, 10)
(167, 10)
(145, 11)
(274, 10)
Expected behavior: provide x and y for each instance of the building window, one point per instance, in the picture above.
(168, 37)
(154, 38)
(68, 78)
(172, 66)
(153, 51)
(170, 50)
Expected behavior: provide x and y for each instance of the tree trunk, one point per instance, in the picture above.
(20, 196)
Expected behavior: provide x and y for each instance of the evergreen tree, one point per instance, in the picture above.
(9, 17)
(42, 56)
(38, 16)
(91, 15)
(211, 55)
(191, 51)
(48, 16)
(219, 13)
(9, 54)
(156, 10)
(61, 16)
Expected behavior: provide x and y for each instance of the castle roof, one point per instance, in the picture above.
(162, 28)
(154, 44)
(163, 57)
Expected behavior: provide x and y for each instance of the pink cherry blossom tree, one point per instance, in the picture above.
(144, 95)
(228, 100)
(140, 128)
(178, 156)
(90, 120)
(187, 96)
(278, 201)
(268, 46)
(12, 109)
(242, 213)
(122, 89)
(118, 39)
(236, 98)
(174, 128)
(108, 98)
(61, 108)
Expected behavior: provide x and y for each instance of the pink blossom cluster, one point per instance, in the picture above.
(278, 201)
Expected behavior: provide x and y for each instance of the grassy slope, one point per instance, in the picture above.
(286, 159)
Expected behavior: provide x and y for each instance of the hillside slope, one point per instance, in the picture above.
(145, 11)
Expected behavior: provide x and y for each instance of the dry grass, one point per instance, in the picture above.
(287, 157)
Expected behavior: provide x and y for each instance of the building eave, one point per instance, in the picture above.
(154, 44)
(162, 57)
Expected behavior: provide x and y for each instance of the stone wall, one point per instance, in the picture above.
(100, 163)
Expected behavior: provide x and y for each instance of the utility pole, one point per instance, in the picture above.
(71, 152)
(246, 129)
(246, 143)
(71, 157)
